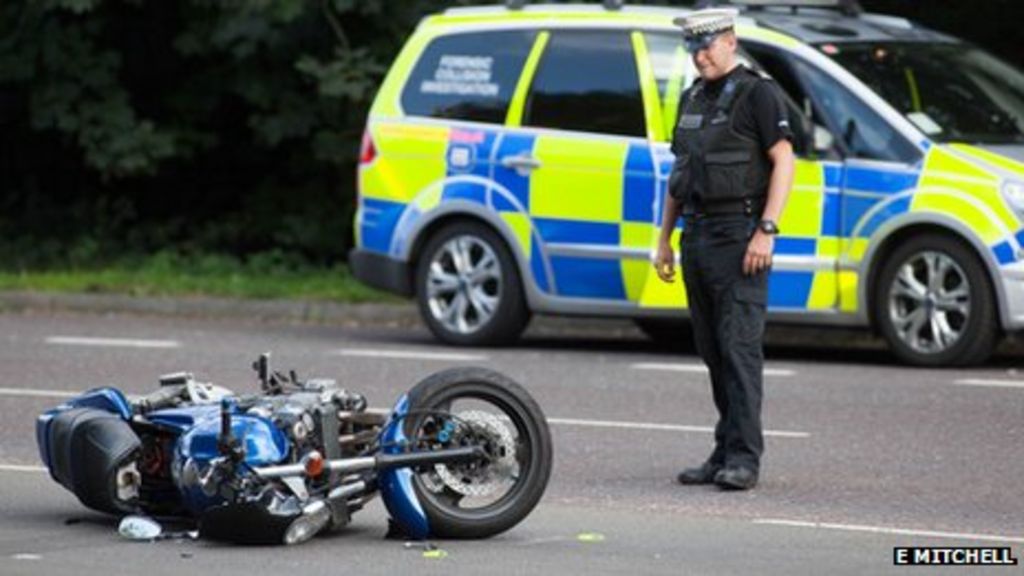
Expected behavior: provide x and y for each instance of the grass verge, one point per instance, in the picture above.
(265, 276)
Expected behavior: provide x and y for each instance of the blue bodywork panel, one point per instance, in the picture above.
(265, 444)
(198, 428)
(396, 484)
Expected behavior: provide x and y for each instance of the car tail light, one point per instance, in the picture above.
(367, 152)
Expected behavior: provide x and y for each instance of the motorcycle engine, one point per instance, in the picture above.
(309, 416)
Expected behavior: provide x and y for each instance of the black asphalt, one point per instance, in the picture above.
(886, 447)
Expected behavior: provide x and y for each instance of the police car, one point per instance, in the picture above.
(515, 162)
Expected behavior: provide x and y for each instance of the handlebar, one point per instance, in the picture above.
(164, 397)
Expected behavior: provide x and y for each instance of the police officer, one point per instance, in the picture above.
(732, 175)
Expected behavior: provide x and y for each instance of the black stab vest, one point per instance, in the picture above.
(715, 165)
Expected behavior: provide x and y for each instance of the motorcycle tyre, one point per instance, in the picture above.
(481, 383)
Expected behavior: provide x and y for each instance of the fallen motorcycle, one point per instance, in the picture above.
(465, 453)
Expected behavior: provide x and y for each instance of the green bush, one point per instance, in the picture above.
(208, 126)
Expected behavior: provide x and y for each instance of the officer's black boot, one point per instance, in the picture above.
(736, 478)
(703, 474)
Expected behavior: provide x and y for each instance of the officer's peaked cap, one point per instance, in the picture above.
(707, 22)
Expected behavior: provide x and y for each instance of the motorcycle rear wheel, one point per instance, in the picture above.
(476, 406)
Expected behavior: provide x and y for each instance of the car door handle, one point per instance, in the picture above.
(522, 163)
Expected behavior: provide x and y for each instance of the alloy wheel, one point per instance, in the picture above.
(929, 302)
(464, 284)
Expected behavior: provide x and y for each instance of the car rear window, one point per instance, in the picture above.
(469, 76)
(588, 81)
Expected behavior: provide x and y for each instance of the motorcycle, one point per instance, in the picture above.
(465, 453)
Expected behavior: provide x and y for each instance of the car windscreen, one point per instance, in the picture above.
(952, 92)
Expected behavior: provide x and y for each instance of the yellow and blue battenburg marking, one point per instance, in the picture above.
(833, 212)
(587, 220)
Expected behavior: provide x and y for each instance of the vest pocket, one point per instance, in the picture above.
(726, 172)
(679, 177)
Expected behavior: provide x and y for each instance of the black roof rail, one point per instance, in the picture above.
(846, 7)
(520, 4)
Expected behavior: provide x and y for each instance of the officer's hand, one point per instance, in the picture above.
(664, 262)
(759, 253)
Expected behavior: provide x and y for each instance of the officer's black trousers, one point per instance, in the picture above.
(727, 311)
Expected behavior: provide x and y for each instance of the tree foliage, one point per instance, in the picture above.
(208, 125)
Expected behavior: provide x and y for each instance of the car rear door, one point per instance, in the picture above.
(581, 136)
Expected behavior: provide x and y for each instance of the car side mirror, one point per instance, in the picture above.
(817, 140)
(823, 139)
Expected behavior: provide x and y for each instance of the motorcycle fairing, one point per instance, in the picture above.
(265, 445)
(396, 487)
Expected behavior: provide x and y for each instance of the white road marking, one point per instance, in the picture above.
(887, 530)
(662, 427)
(27, 557)
(113, 342)
(555, 421)
(406, 355)
(701, 369)
(21, 468)
(990, 383)
(38, 393)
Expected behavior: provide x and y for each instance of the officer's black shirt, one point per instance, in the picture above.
(762, 116)
(758, 116)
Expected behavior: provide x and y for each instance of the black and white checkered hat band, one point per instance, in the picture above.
(705, 28)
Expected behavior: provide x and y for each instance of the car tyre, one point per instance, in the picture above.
(468, 287)
(665, 332)
(934, 303)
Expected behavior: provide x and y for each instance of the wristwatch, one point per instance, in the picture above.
(768, 227)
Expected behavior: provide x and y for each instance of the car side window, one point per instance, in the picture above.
(587, 80)
(800, 107)
(674, 71)
(469, 76)
(864, 132)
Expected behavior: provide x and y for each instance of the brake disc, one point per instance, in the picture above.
(483, 479)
